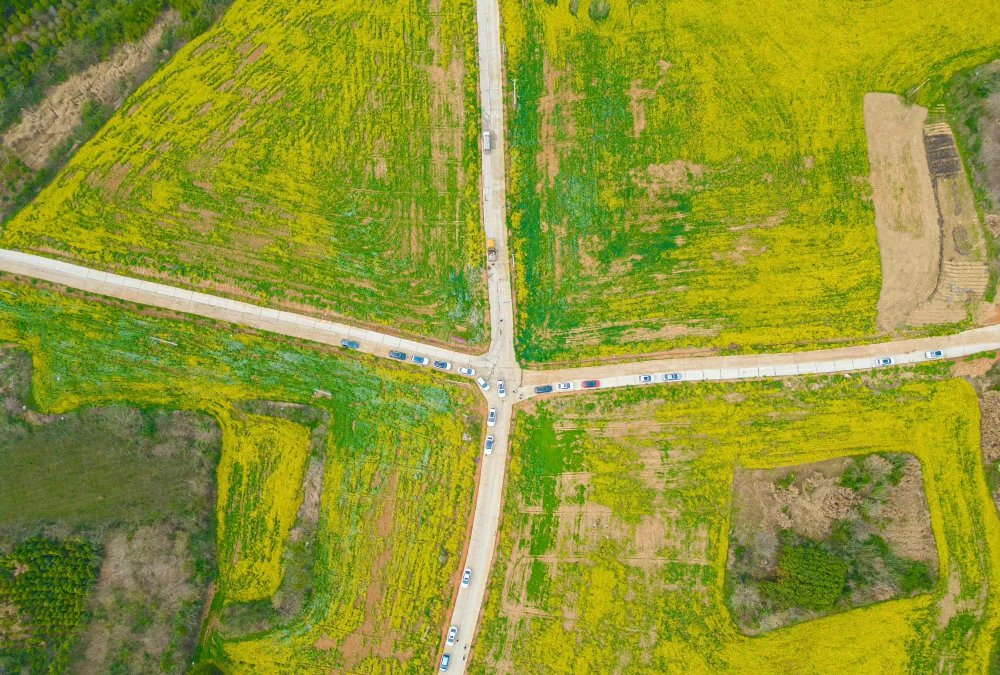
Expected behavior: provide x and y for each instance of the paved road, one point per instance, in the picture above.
(500, 362)
(750, 366)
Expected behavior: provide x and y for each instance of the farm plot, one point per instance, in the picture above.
(613, 550)
(314, 156)
(260, 490)
(397, 482)
(692, 176)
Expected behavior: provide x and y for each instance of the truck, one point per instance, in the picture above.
(491, 250)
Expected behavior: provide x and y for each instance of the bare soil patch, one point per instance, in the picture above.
(857, 527)
(905, 210)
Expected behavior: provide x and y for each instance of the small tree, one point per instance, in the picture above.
(599, 9)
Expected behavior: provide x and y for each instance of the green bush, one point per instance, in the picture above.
(808, 577)
(599, 9)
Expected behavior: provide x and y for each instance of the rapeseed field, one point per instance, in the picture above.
(694, 175)
(309, 155)
(614, 541)
(260, 490)
(397, 486)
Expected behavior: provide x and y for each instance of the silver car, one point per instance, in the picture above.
(564, 386)
(501, 389)
(466, 577)
(488, 448)
(462, 370)
(884, 361)
(483, 384)
(491, 418)
(421, 360)
(452, 636)
(645, 379)
(672, 377)
(934, 354)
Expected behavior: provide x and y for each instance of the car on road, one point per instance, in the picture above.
(491, 418)
(488, 448)
(564, 386)
(590, 384)
(466, 371)
(934, 354)
(483, 384)
(884, 361)
(350, 344)
(421, 360)
(466, 577)
(645, 379)
(543, 389)
(399, 356)
(487, 141)
(442, 365)
(445, 662)
(452, 636)
(501, 389)
(672, 377)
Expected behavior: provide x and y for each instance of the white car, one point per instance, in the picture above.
(466, 371)
(491, 418)
(645, 379)
(466, 577)
(884, 361)
(672, 377)
(421, 360)
(452, 636)
(483, 384)
(564, 386)
(934, 354)
(442, 365)
(501, 389)
(488, 448)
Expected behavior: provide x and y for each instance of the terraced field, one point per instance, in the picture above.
(694, 176)
(397, 483)
(307, 155)
(613, 548)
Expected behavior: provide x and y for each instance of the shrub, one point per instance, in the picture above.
(808, 577)
(599, 9)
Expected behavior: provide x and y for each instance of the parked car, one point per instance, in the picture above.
(645, 379)
(487, 141)
(350, 344)
(421, 360)
(445, 662)
(488, 448)
(442, 365)
(501, 389)
(934, 354)
(672, 377)
(452, 636)
(543, 389)
(399, 356)
(590, 384)
(483, 384)
(564, 386)
(491, 418)
(884, 361)
(466, 577)
(466, 371)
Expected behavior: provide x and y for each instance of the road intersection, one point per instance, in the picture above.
(500, 361)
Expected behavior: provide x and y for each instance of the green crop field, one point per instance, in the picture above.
(695, 175)
(309, 155)
(397, 483)
(612, 555)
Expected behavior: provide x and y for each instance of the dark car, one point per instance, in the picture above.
(543, 389)
(350, 344)
(591, 384)
(399, 356)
